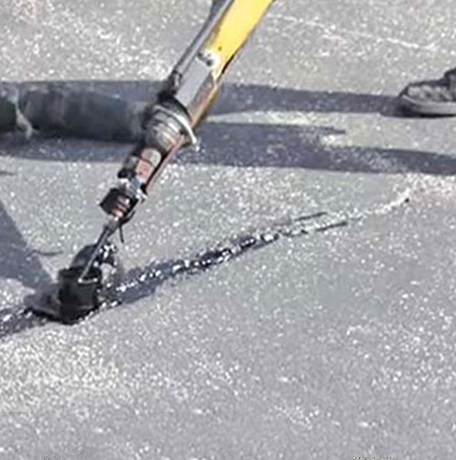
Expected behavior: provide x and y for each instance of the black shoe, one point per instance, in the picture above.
(431, 97)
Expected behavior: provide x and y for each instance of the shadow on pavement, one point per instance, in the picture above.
(284, 146)
(249, 98)
(254, 145)
(17, 260)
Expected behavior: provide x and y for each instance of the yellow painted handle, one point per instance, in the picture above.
(234, 30)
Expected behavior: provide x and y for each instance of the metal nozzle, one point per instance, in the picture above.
(108, 230)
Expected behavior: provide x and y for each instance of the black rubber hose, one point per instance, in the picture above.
(65, 110)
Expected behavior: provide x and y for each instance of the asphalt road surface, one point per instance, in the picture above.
(329, 332)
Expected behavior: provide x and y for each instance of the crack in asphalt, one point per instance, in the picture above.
(143, 282)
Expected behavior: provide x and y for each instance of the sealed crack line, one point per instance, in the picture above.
(141, 283)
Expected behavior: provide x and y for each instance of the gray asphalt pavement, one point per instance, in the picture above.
(329, 331)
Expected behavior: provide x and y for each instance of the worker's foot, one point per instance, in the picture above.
(431, 97)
